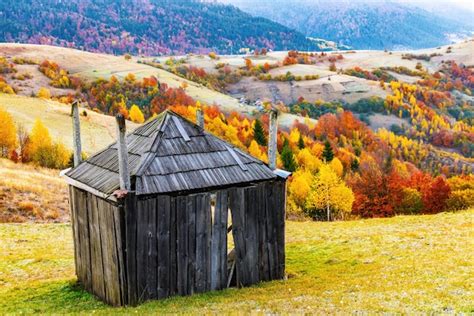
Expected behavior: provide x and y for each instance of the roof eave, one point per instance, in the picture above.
(85, 187)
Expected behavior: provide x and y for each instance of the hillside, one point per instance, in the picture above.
(143, 27)
(405, 264)
(97, 130)
(31, 194)
(91, 66)
(363, 24)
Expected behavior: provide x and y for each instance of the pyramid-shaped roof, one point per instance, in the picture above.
(171, 154)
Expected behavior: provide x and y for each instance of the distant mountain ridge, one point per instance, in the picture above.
(361, 24)
(148, 27)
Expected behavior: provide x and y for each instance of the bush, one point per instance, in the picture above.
(460, 200)
(411, 203)
(55, 156)
(212, 55)
(44, 93)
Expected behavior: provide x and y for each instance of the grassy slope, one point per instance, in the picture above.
(97, 130)
(29, 193)
(401, 264)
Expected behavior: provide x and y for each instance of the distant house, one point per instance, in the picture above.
(151, 214)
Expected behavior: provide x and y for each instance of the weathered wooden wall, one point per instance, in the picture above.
(258, 227)
(160, 246)
(175, 246)
(98, 247)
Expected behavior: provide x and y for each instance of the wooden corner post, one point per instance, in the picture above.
(272, 139)
(76, 133)
(124, 173)
(200, 118)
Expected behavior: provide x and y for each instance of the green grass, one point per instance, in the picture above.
(404, 264)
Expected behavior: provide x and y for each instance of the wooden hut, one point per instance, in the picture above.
(158, 225)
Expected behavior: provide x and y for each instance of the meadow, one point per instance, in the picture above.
(404, 264)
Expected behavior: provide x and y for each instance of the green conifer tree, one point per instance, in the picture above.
(328, 154)
(287, 157)
(355, 164)
(301, 142)
(259, 133)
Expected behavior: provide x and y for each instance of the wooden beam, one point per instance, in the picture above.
(87, 188)
(272, 139)
(76, 133)
(200, 118)
(181, 129)
(237, 159)
(124, 173)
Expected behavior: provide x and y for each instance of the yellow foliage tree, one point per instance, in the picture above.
(7, 133)
(294, 136)
(130, 77)
(43, 151)
(39, 137)
(317, 149)
(44, 93)
(306, 159)
(5, 88)
(254, 150)
(300, 186)
(330, 194)
(136, 114)
(336, 165)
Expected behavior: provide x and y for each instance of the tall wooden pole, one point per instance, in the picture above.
(200, 118)
(272, 139)
(76, 133)
(124, 173)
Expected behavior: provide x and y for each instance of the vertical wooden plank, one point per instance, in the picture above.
(272, 231)
(80, 225)
(173, 288)
(264, 273)
(191, 216)
(75, 229)
(96, 248)
(83, 225)
(119, 241)
(182, 244)
(152, 249)
(130, 248)
(219, 242)
(114, 286)
(164, 269)
(281, 210)
(207, 202)
(237, 204)
(251, 233)
(105, 246)
(142, 247)
(203, 239)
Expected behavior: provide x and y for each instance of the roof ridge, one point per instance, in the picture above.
(149, 154)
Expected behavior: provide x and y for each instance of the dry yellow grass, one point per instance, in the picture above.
(29, 193)
(97, 130)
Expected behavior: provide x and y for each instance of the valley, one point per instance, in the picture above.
(411, 110)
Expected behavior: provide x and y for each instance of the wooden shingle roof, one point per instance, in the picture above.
(171, 154)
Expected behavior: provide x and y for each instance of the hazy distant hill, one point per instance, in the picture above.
(142, 26)
(361, 24)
